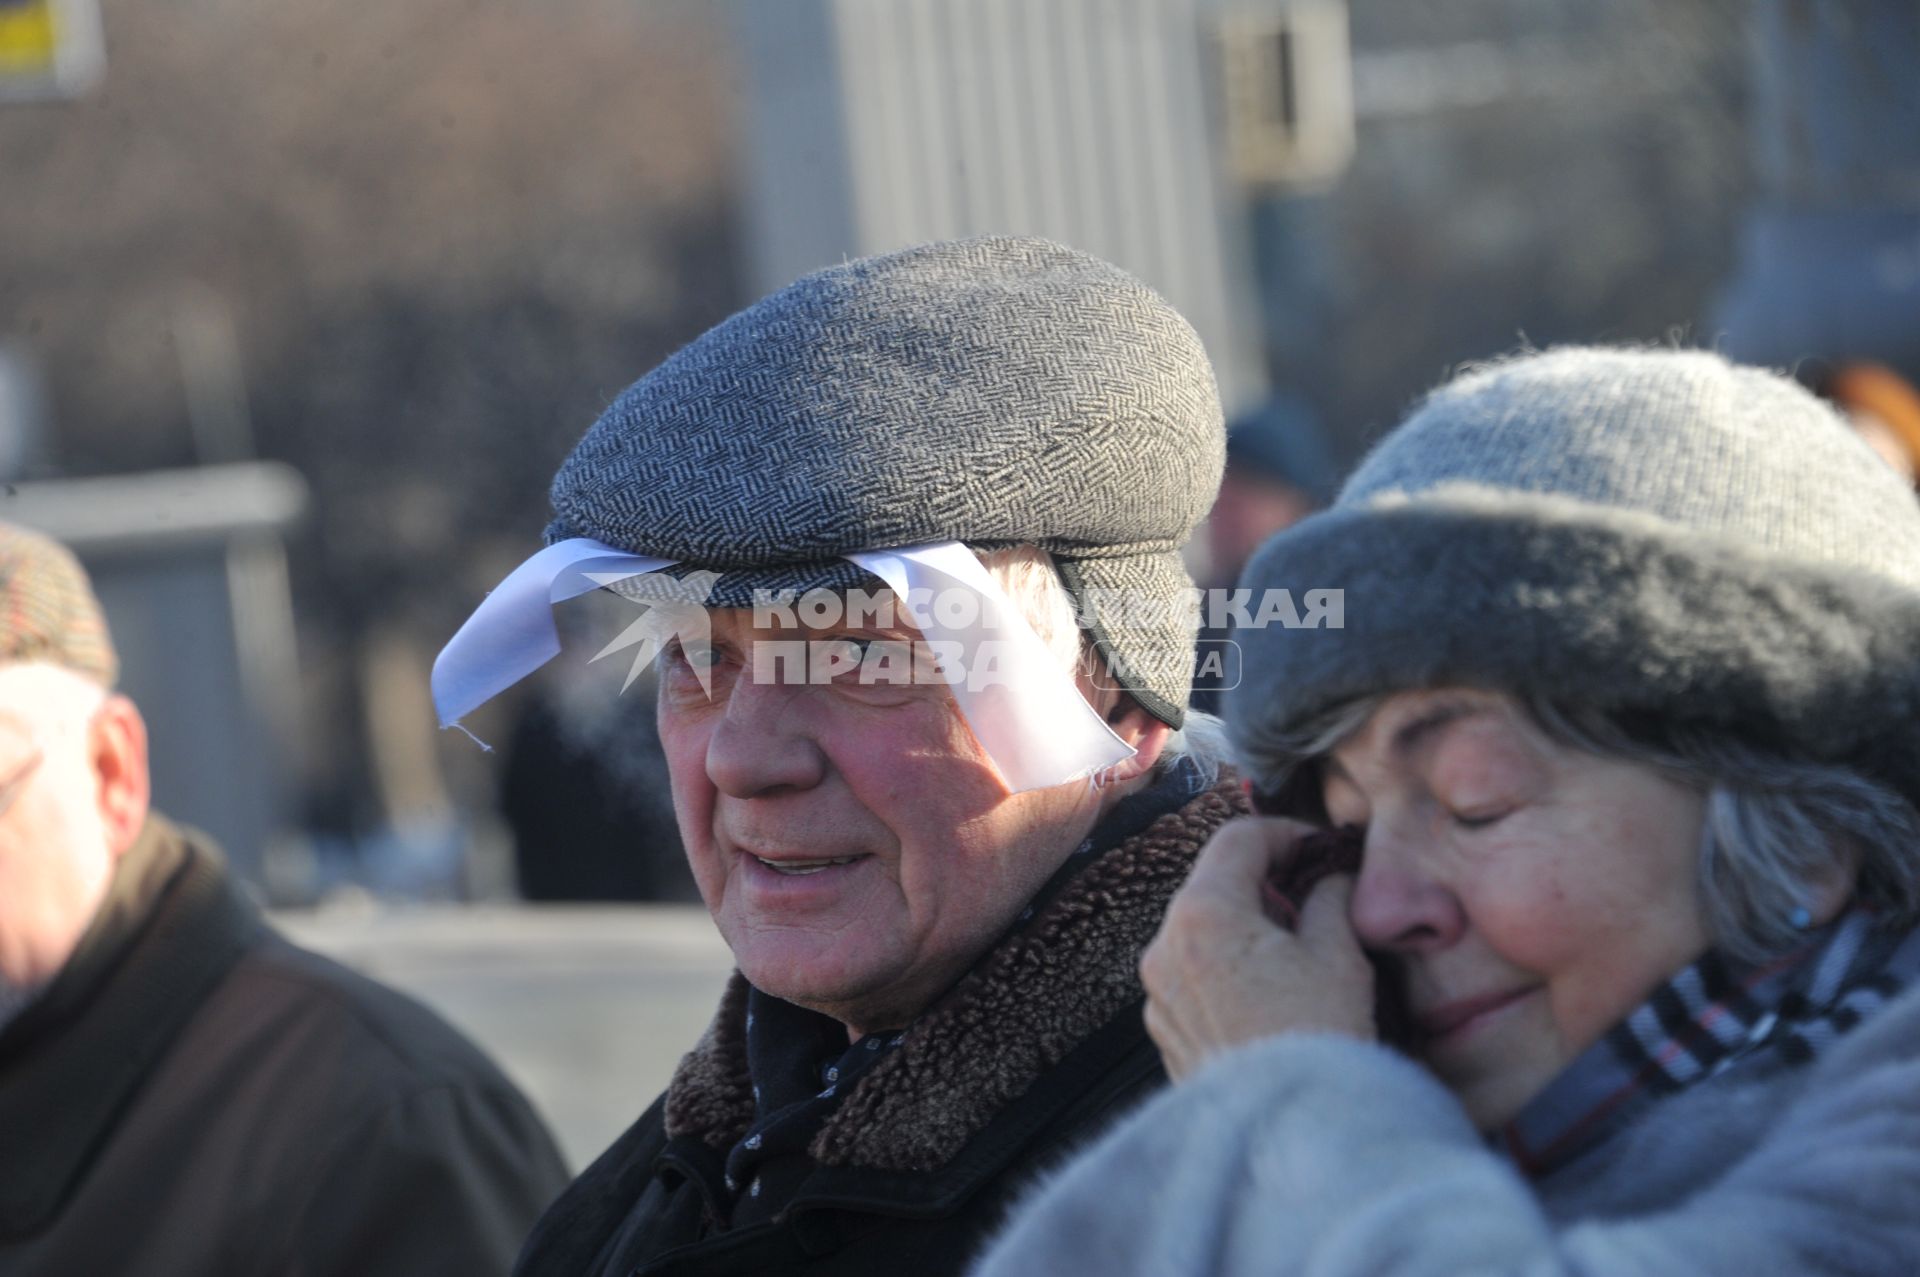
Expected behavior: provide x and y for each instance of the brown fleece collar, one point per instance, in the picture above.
(1017, 1015)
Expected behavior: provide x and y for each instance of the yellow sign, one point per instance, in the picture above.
(49, 48)
(27, 30)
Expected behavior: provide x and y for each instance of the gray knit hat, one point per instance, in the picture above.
(991, 391)
(1678, 541)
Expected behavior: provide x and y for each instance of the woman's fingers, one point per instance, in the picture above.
(1327, 935)
(1163, 1037)
(1221, 973)
(1240, 856)
(1323, 918)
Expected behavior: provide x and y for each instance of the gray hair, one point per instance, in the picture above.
(1202, 739)
(1774, 825)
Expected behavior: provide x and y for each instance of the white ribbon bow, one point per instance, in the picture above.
(1029, 717)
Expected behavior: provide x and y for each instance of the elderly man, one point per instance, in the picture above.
(924, 736)
(181, 1090)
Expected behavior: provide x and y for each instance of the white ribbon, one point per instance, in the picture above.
(1028, 716)
(511, 633)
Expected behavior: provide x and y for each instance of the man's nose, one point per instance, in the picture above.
(1399, 904)
(762, 744)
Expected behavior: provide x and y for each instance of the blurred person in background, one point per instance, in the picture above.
(936, 893)
(1279, 470)
(1883, 408)
(583, 787)
(181, 1090)
(1623, 723)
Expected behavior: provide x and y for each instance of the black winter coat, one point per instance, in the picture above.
(1035, 1053)
(195, 1095)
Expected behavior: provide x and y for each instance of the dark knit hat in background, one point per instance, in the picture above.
(1662, 535)
(1284, 441)
(994, 391)
(47, 608)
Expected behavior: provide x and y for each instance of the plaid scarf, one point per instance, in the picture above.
(1711, 1017)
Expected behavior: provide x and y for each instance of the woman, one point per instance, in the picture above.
(1626, 709)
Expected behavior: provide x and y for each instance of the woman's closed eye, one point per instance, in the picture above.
(1481, 818)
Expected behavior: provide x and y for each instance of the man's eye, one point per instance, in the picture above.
(869, 665)
(839, 659)
(696, 656)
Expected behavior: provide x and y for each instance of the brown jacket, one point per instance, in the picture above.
(195, 1095)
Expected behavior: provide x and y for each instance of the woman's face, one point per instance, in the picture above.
(1534, 894)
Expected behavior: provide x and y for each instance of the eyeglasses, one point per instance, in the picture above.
(17, 779)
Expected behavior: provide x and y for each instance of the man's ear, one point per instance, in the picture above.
(1147, 734)
(117, 751)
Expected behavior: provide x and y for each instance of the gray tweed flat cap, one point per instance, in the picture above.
(994, 391)
(1684, 543)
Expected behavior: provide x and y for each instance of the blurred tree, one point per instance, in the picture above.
(446, 231)
(1539, 171)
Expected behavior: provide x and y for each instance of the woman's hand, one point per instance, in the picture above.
(1221, 973)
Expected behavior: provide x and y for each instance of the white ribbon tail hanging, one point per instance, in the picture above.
(1028, 715)
(511, 634)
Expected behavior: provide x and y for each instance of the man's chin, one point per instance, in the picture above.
(806, 976)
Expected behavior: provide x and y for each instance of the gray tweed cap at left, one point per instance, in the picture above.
(996, 391)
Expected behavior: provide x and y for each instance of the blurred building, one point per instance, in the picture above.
(409, 257)
(1830, 245)
(1345, 202)
(190, 567)
(1556, 171)
(1127, 130)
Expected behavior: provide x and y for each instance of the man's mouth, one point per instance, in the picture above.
(797, 868)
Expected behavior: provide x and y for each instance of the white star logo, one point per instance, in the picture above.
(679, 612)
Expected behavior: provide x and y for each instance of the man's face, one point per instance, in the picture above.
(55, 860)
(852, 840)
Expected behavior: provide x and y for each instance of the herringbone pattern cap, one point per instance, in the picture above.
(47, 608)
(994, 391)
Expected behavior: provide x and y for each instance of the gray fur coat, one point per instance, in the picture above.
(1322, 1155)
